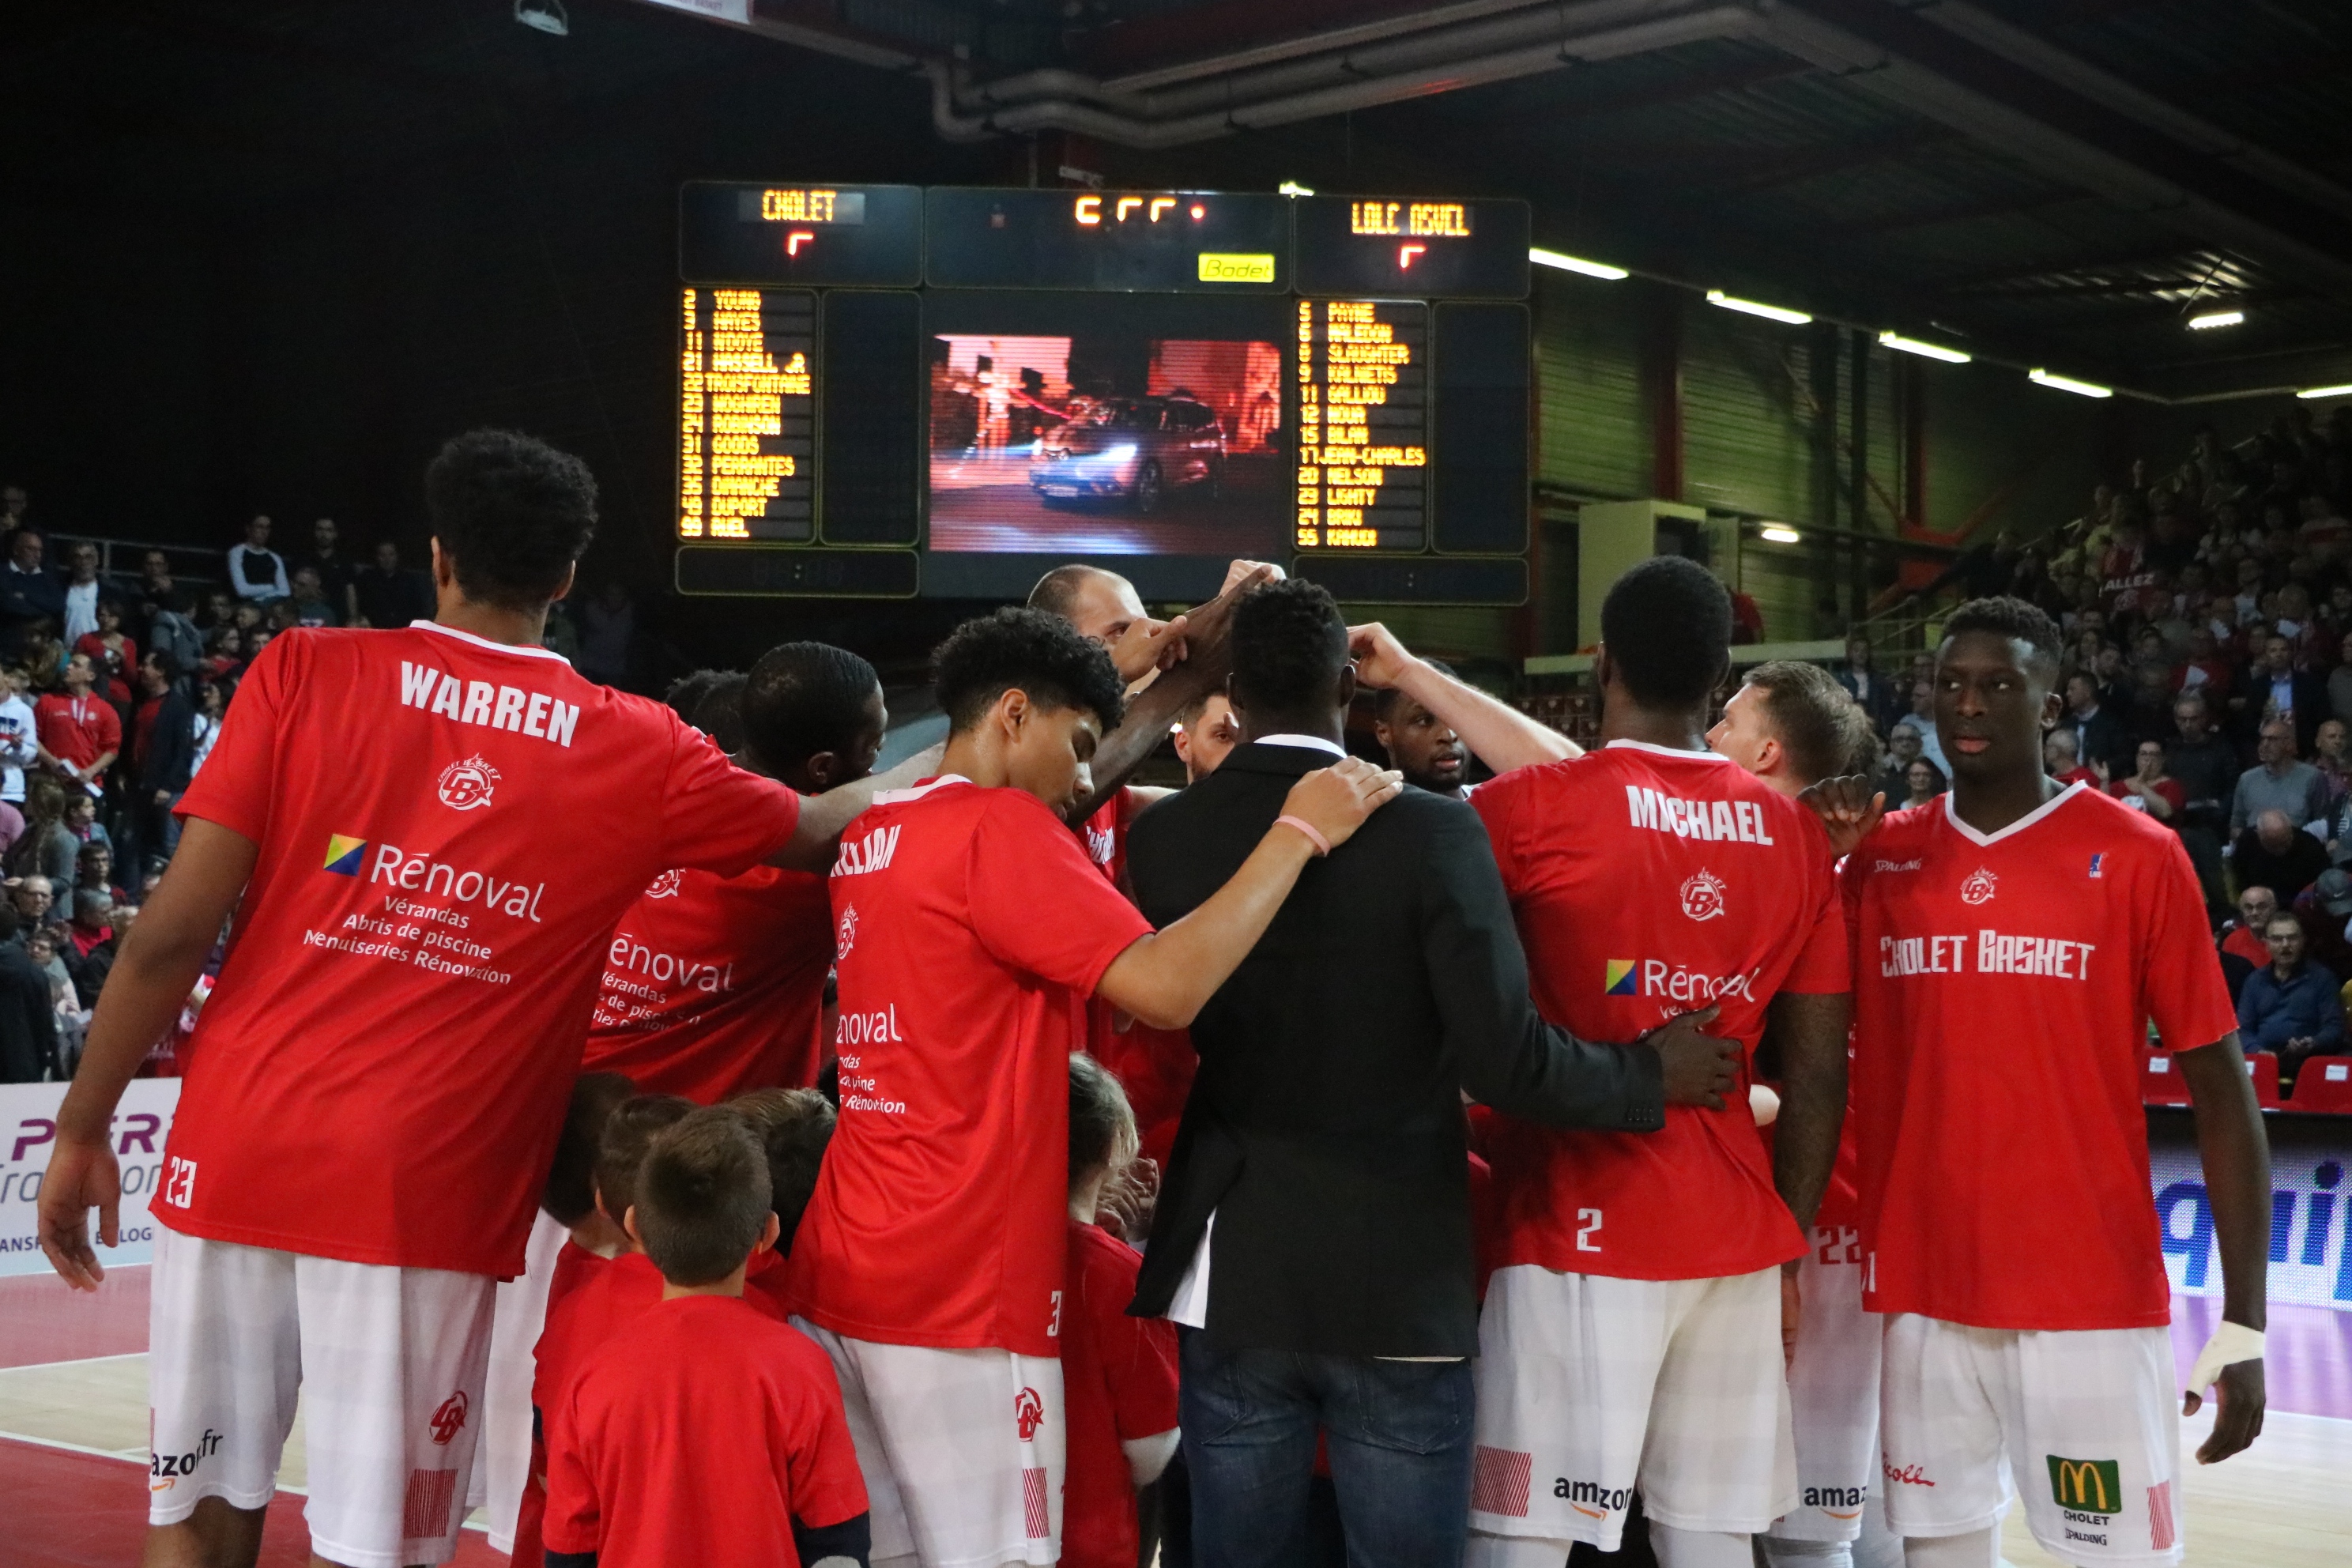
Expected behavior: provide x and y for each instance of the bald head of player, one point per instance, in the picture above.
(812, 716)
(1996, 691)
(1291, 674)
(1027, 700)
(1665, 646)
(1101, 605)
(510, 518)
(1792, 725)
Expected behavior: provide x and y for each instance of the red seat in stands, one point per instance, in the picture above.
(2160, 1084)
(2263, 1067)
(2324, 1084)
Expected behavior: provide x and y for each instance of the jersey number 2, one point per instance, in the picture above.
(1588, 1226)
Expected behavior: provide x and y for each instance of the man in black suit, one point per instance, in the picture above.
(1325, 1139)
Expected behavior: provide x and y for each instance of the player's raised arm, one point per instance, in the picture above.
(817, 831)
(2237, 1160)
(1497, 734)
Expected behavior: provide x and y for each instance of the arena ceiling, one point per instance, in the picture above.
(2060, 182)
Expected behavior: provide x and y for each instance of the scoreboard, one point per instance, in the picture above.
(886, 391)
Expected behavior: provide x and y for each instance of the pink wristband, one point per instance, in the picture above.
(1322, 844)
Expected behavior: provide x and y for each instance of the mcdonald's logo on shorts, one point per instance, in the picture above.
(2088, 1486)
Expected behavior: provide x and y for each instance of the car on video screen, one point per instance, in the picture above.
(1139, 450)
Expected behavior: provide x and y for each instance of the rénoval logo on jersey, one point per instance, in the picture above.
(1656, 977)
(494, 707)
(397, 869)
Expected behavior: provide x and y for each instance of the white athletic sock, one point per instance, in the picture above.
(1807, 1553)
(1700, 1548)
(1979, 1549)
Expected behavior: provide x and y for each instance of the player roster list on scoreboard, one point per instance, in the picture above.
(747, 415)
(1363, 380)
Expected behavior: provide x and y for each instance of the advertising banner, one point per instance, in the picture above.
(2311, 1264)
(29, 1130)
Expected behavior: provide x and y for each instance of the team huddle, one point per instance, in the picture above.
(1780, 1169)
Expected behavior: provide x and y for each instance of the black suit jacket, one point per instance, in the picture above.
(1325, 1129)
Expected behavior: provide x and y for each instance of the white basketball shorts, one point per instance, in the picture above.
(1832, 1392)
(504, 1461)
(2082, 1422)
(391, 1362)
(961, 1449)
(1589, 1387)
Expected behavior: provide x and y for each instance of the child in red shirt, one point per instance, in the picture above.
(793, 1125)
(592, 1296)
(1118, 1373)
(706, 1432)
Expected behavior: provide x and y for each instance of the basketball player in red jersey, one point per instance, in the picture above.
(2013, 940)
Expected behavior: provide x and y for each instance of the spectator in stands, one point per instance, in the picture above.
(1923, 781)
(2278, 783)
(2290, 1006)
(96, 863)
(20, 744)
(2061, 759)
(163, 758)
(2208, 770)
(2339, 679)
(2149, 790)
(328, 564)
(256, 572)
(224, 657)
(2324, 909)
(388, 594)
(2243, 936)
(88, 951)
(114, 656)
(28, 1019)
(2277, 687)
(48, 848)
(1922, 718)
(1878, 696)
(2101, 737)
(310, 605)
(80, 733)
(13, 503)
(33, 897)
(2327, 754)
(2280, 856)
(83, 592)
(211, 706)
(156, 593)
(1903, 749)
(28, 594)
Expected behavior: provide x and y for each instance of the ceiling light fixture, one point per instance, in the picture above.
(1926, 351)
(2068, 383)
(1566, 263)
(1780, 534)
(1751, 308)
(1293, 188)
(2342, 391)
(2212, 319)
(544, 17)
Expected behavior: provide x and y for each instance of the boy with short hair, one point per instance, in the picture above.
(709, 1433)
(1118, 1373)
(794, 1126)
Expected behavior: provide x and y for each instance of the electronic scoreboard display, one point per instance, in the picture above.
(887, 391)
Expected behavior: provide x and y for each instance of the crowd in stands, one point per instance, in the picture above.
(2208, 681)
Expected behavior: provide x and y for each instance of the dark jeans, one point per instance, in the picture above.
(1398, 1434)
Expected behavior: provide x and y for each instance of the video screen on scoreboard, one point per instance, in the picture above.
(1108, 426)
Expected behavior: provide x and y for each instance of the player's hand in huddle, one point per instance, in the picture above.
(1699, 1067)
(1147, 645)
(1241, 572)
(1336, 800)
(1208, 626)
(1380, 658)
(1850, 810)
